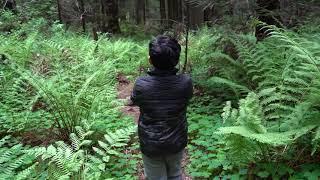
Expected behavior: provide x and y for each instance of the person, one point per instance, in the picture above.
(162, 97)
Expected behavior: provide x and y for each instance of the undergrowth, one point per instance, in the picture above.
(255, 112)
(58, 82)
(269, 126)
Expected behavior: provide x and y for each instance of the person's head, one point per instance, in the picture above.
(164, 52)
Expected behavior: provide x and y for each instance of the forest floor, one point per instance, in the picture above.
(124, 91)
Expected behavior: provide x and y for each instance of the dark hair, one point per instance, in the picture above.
(164, 52)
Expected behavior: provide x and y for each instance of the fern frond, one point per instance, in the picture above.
(24, 174)
(228, 83)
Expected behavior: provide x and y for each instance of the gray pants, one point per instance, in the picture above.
(163, 168)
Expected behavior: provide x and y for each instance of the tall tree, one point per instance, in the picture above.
(140, 11)
(59, 11)
(112, 13)
(240, 8)
(83, 15)
(10, 5)
(288, 10)
(146, 10)
(163, 14)
(171, 12)
(174, 11)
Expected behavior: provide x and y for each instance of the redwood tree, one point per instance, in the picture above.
(59, 11)
(10, 5)
(83, 15)
(112, 13)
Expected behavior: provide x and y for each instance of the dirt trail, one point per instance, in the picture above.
(124, 91)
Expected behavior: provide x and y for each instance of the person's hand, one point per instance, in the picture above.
(128, 102)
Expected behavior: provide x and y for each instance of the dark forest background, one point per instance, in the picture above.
(116, 16)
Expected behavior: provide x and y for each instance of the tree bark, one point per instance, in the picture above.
(183, 7)
(112, 13)
(174, 11)
(187, 13)
(140, 11)
(82, 16)
(163, 12)
(101, 17)
(146, 11)
(196, 16)
(240, 8)
(59, 11)
(10, 5)
(288, 12)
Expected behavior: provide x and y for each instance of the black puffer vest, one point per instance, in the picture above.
(162, 97)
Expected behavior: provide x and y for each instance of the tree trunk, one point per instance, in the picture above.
(182, 11)
(10, 5)
(59, 11)
(171, 12)
(146, 11)
(112, 14)
(240, 8)
(288, 9)
(140, 11)
(187, 17)
(163, 12)
(82, 16)
(102, 17)
(174, 11)
(196, 16)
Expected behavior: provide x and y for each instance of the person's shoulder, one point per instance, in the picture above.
(141, 80)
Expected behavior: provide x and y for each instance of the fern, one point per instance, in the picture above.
(249, 133)
(64, 161)
(281, 112)
(68, 108)
(277, 84)
(14, 162)
(233, 85)
(113, 141)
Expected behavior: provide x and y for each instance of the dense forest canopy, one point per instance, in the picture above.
(67, 67)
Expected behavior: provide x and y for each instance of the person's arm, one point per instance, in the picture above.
(135, 97)
(190, 89)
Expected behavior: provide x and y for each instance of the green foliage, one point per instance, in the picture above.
(279, 115)
(213, 65)
(61, 75)
(54, 79)
(69, 106)
(114, 140)
(272, 89)
(65, 161)
(60, 83)
(110, 152)
(8, 21)
(14, 162)
(205, 148)
(77, 160)
(37, 9)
